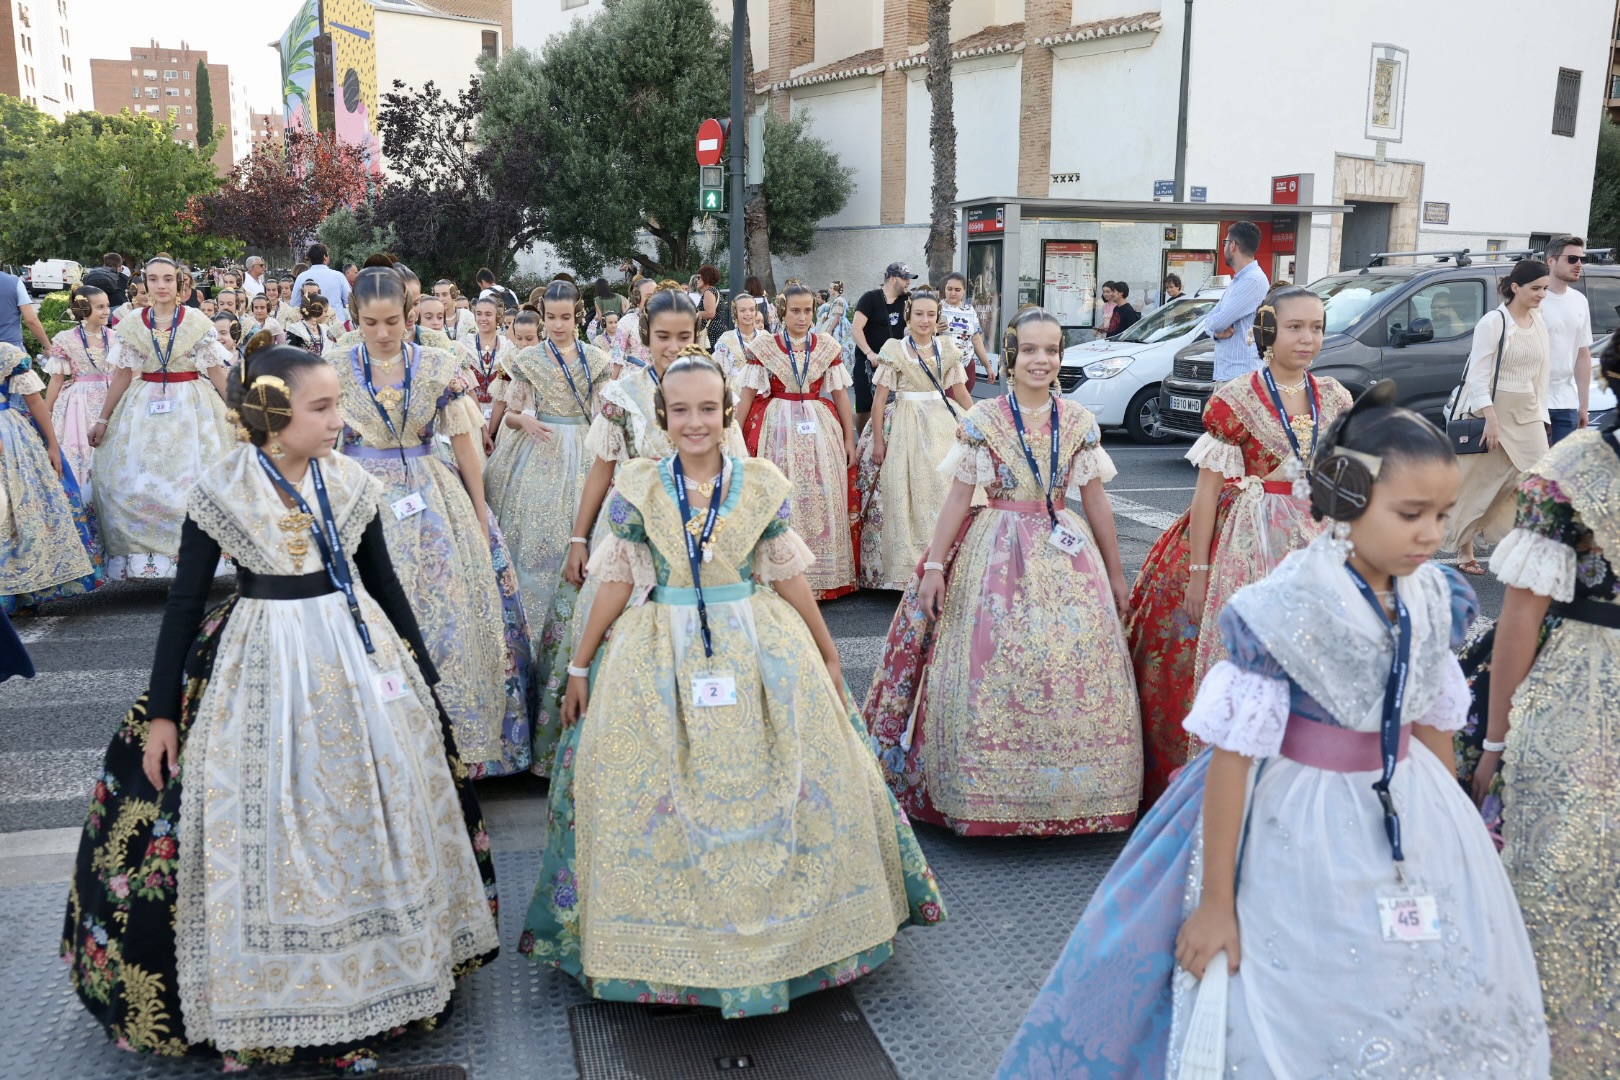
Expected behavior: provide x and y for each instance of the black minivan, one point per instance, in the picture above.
(1411, 323)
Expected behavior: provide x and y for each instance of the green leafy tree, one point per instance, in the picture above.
(350, 239)
(1603, 226)
(21, 127)
(106, 183)
(804, 182)
(205, 106)
(616, 101)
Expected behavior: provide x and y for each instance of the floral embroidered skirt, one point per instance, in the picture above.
(129, 943)
(48, 543)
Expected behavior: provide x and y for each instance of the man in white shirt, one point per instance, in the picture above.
(1568, 317)
(333, 285)
(254, 282)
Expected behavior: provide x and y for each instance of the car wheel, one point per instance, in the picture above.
(1142, 421)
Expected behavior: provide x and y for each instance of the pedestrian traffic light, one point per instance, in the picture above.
(711, 189)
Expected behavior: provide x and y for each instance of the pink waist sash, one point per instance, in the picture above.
(1336, 749)
(96, 378)
(1015, 506)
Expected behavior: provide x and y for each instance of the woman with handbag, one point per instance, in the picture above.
(1504, 384)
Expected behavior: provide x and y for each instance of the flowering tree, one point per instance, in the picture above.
(278, 194)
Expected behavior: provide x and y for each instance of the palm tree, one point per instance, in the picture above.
(941, 246)
(298, 53)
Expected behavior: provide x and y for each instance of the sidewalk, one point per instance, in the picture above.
(943, 1008)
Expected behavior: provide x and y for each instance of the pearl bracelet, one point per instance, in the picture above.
(934, 566)
(578, 672)
(99, 421)
(1196, 567)
(1493, 747)
(579, 540)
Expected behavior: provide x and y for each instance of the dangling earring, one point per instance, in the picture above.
(1343, 546)
(274, 449)
(1266, 357)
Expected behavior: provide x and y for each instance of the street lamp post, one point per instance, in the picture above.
(738, 132)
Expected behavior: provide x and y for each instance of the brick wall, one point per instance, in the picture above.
(1041, 19)
(10, 72)
(905, 23)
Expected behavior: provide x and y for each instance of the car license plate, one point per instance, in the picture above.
(1186, 404)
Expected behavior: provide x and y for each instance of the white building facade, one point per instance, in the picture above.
(39, 62)
(1393, 109)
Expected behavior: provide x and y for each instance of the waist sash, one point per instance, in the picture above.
(168, 376)
(1595, 612)
(713, 594)
(251, 586)
(1019, 506)
(360, 450)
(1337, 749)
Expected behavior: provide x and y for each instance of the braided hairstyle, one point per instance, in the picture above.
(378, 283)
(83, 301)
(1027, 317)
(1265, 318)
(259, 392)
(560, 291)
(671, 296)
(692, 358)
(1360, 443)
(923, 292)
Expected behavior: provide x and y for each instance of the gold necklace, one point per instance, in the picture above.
(705, 488)
(296, 525)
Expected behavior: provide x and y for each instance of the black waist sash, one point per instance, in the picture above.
(1596, 612)
(251, 586)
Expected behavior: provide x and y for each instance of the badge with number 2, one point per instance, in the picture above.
(409, 505)
(709, 691)
(159, 407)
(1405, 915)
(392, 685)
(1066, 539)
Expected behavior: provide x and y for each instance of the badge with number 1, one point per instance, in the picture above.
(409, 506)
(392, 685)
(1066, 539)
(709, 691)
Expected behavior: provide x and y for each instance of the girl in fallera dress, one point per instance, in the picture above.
(484, 352)
(534, 481)
(161, 425)
(716, 762)
(787, 421)
(1550, 713)
(311, 333)
(1248, 512)
(397, 396)
(83, 361)
(1004, 702)
(207, 902)
(1318, 868)
(737, 345)
(625, 428)
(48, 546)
(899, 456)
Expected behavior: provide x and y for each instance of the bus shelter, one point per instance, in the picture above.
(1057, 252)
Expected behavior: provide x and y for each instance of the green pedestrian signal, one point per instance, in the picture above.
(711, 189)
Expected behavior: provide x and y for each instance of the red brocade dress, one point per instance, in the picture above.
(791, 425)
(1257, 522)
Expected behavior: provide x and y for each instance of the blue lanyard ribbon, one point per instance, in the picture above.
(326, 538)
(1389, 730)
(106, 343)
(1288, 429)
(939, 363)
(162, 353)
(405, 388)
(787, 347)
(579, 351)
(1051, 477)
(486, 360)
(696, 544)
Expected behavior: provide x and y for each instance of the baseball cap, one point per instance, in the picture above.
(899, 269)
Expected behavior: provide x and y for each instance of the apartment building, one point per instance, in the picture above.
(36, 56)
(160, 82)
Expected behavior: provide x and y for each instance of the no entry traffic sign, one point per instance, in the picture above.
(711, 142)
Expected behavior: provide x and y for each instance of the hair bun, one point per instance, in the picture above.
(1342, 479)
(259, 340)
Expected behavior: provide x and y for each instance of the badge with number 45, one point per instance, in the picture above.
(1408, 916)
(1066, 539)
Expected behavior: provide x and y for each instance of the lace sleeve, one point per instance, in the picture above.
(969, 463)
(607, 438)
(518, 395)
(1540, 553)
(1090, 463)
(1450, 709)
(782, 556)
(26, 383)
(837, 377)
(459, 416)
(753, 376)
(1241, 711)
(885, 375)
(1217, 456)
(618, 559)
(59, 362)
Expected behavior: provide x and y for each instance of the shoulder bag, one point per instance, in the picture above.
(1466, 433)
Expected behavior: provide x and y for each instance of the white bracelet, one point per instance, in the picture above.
(578, 672)
(1197, 567)
(1493, 747)
(927, 566)
(579, 540)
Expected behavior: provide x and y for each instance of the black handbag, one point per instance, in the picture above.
(1466, 433)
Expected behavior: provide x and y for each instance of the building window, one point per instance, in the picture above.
(569, 5)
(1564, 102)
(188, 91)
(135, 91)
(188, 110)
(188, 127)
(186, 74)
(169, 91)
(150, 73)
(170, 76)
(134, 73)
(490, 43)
(151, 91)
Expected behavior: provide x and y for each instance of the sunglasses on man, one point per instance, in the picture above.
(1575, 260)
